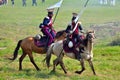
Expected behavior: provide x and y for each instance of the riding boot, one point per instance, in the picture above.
(77, 54)
(46, 45)
(81, 50)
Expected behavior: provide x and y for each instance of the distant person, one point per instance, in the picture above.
(1, 2)
(103, 2)
(12, 2)
(6, 2)
(24, 2)
(112, 2)
(43, 1)
(34, 3)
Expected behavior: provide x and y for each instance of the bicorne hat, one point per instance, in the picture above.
(74, 16)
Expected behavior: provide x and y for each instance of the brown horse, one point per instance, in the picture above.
(57, 49)
(27, 45)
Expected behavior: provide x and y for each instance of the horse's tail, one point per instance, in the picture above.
(16, 50)
(48, 55)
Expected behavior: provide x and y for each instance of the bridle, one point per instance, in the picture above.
(90, 36)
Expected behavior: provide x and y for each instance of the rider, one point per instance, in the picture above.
(75, 34)
(47, 27)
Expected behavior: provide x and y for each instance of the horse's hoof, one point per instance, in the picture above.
(95, 74)
(65, 72)
(20, 69)
(53, 71)
(78, 72)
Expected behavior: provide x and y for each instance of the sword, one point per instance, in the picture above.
(79, 15)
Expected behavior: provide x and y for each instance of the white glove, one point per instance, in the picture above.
(71, 32)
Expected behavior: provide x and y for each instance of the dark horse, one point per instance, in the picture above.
(28, 46)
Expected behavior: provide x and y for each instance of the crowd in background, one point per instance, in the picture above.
(106, 2)
(34, 2)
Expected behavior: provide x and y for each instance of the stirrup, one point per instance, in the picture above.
(78, 58)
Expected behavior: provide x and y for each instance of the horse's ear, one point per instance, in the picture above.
(93, 31)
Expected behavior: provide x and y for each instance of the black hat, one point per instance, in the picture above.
(74, 16)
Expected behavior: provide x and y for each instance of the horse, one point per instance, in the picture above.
(28, 46)
(57, 49)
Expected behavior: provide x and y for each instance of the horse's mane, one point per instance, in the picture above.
(85, 42)
(86, 39)
(90, 31)
(59, 33)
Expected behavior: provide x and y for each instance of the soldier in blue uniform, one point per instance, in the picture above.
(47, 27)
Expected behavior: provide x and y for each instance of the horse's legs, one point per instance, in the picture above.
(59, 61)
(83, 67)
(32, 60)
(92, 67)
(63, 66)
(60, 58)
(55, 63)
(21, 59)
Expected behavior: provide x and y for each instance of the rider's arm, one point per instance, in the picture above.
(80, 28)
(46, 21)
(68, 29)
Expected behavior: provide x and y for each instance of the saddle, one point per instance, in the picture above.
(69, 44)
(41, 41)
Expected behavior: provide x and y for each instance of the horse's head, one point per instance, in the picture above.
(88, 43)
(90, 36)
(60, 35)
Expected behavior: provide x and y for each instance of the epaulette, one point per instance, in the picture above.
(47, 17)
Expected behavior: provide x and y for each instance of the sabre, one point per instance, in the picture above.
(56, 15)
(79, 15)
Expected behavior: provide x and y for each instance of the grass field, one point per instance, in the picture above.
(19, 22)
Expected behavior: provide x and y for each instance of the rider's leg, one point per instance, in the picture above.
(47, 33)
(77, 54)
(53, 33)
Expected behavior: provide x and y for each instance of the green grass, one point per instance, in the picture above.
(19, 22)
(106, 62)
